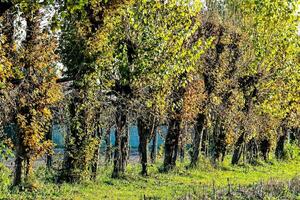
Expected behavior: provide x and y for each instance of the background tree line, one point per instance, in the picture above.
(223, 76)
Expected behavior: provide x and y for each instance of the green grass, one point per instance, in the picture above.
(160, 185)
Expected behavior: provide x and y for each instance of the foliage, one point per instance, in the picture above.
(291, 151)
(5, 179)
(5, 65)
(272, 28)
(33, 76)
(79, 30)
(5, 151)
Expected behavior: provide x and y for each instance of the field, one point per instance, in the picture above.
(267, 179)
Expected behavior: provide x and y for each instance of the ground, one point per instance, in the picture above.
(174, 185)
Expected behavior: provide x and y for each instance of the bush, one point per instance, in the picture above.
(291, 151)
(5, 152)
(5, 179)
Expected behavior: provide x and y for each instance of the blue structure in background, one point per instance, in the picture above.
(134, 137)
(59, 132)
(58, 135)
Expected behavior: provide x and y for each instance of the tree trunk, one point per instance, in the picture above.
(297, 135)
(28, 170)
(238, 150)
(181, 153)
(293, 135)
(120, 124)
(219, 143)
(279, 151)
(265, 148)
(117, 156)
(108, 146)
(175, 154)
(49, 158)
(205, 142)
(19, 160)
(124, 150)
(49, 161)
(80, 143)
(171, 144)
(74, 153)
(252, 151)
(154, 147)
(18, 170)
(95, 161)
(143, 132)
(197, 140)
(182, 143)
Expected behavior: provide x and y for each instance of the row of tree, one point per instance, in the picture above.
(221, 75)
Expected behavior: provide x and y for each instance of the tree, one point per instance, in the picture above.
(151, 50)
(33, 75)
(83, 25)
(272, 28)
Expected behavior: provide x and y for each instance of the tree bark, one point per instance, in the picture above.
(95, 161)
(197, 140)
(117, 156)
(293, 135)
(154, 147)
(219, 142)
(205, 141)
(252, 151)
(238, 150)
(108, 146)
(19, 160)
(74, 153)
(181, 153)
(298, 136)
(49, 158)
(124, 150)
(120, 124)
(265, 149)
(144, 133)
(171, 144)
(18, 170)
(28, 169)
(279, 151)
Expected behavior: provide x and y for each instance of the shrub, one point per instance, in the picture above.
(5, 151)
(291, 151)
(5, 179)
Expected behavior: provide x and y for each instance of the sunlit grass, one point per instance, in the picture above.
(163, 185)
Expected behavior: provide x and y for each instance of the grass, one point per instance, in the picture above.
(160, 185)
